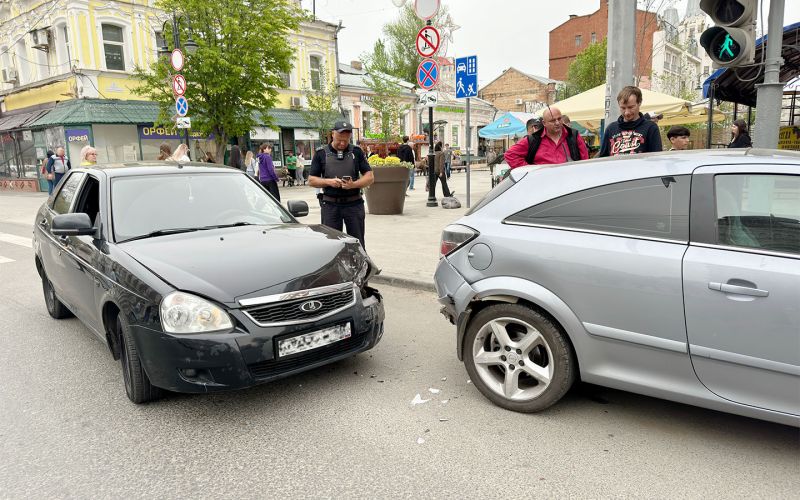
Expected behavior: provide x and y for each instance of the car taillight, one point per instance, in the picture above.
(455, 236)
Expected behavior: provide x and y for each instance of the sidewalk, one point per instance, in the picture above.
(405, 247)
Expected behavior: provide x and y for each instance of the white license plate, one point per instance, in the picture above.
(313, 340)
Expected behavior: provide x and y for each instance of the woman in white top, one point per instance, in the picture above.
(181, 153)
(250, 164)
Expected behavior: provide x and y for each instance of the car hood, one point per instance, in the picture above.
(230, 264)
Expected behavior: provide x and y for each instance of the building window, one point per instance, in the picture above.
(113, 47)
(67, 46)
(578, 40)
(286, 79)
(594, 37)
(705, 70)
(160, 42)
(315, 64)
(366, 121)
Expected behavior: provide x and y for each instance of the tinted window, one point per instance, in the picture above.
(67, 192)
(657, 208)
(143, 204)
(758, 211)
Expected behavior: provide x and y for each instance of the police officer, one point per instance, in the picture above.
(341, 170)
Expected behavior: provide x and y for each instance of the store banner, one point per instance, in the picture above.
(264, 134)
(153, 132)
(77, 135)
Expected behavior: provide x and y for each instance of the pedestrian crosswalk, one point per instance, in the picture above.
(13, 239)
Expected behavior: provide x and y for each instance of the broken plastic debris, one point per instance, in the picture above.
(420, 441)
(443, 419)
(434, 391)
(469, 381)
(418, 400)
(444, 379)
(444, 401)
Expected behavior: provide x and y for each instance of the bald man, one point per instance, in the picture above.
(554, 143)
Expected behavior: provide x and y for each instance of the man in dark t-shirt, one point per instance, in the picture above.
(341, 170)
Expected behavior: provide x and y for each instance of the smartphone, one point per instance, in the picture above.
(347, 178)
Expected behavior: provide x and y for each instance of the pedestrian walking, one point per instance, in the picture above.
(439, 168)
(46, 169)
(59, 166)
(235, 158)
(291, 167)
(632, 133)
(406, 153)
(342, 170)
(739, 136)
(299, 169)
(164, 152)
(554, 143)
(448, 159)
(678, 136)
(181, 153)
(266, 171)
(88, 156)
(250, 164)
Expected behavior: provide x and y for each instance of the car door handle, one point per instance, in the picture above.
(43, 223)
(737, 290)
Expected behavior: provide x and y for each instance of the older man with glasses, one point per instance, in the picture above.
(552, 144)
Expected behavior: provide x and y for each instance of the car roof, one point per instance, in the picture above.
(155, 167)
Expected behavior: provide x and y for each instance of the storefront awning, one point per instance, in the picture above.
(290, 118)
(82, 111)
(20, 120)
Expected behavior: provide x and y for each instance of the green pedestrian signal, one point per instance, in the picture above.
(731, 42)
(729, 49)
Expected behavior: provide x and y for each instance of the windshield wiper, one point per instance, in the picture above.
(233, 224)
(162, 232)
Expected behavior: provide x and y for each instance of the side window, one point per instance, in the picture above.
(66, 194)
(758, 211)
(89, 198)
(657, 207)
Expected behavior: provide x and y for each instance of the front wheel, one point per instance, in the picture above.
(518, 358)
(137, 384)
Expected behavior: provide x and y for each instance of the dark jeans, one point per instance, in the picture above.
(352, 215)
(272, 187)
(445, 190)
(56, 179)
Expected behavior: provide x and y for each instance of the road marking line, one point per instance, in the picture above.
(16, 240)
(5, 260)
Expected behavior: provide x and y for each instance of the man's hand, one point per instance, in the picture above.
(335, 183)
(348, 184)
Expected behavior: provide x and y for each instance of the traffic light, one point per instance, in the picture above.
(732, 42)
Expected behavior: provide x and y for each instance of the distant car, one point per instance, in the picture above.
(174, 267)
(675, 275)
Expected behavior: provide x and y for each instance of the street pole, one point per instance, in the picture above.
(176, 40)
(621, 50)
(770, 93)
(710, 113)
(431, 155)
(469, 150)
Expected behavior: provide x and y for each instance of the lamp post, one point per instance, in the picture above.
(191, 48)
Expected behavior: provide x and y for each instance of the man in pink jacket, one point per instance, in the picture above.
(555, 143)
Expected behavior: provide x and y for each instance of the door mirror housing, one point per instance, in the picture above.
(297, 208)
(77, 224)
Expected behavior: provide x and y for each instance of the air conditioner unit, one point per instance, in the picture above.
(9, 75)
(518, 102)
(296, 102)
(41, 39)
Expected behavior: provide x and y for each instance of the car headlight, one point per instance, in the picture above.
(185, 313)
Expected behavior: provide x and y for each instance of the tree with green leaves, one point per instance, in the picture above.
(387, 101)
(233, 77)
(322, 107)
(398, 56)
(588, 70)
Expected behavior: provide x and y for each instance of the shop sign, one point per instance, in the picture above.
(264, 134)
(789, 138)
(77, 135)
(308, 134)
(153, 132)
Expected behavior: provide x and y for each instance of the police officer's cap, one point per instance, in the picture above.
(342, 126)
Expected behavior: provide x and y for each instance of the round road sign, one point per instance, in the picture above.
(428, 41)
(181, 106)
(426, 9)
(427, 74)
(177, 59)
(179, 85)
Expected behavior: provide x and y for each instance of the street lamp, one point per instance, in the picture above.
(190, 47)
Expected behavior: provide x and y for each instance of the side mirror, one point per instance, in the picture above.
(298, 208)
(72, 225)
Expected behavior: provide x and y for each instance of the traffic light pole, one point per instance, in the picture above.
(770, 93)
(619, 54)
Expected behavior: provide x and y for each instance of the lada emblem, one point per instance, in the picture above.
(311, 306)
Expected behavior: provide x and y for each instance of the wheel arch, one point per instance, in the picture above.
(39, 266)
(506, 289)
(109, 315)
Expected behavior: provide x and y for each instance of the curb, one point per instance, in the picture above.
(397, 281)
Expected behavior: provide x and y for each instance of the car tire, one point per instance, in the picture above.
(137, 384)
(518, 358)
(55, 307)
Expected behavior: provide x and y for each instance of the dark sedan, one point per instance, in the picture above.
(198, 280)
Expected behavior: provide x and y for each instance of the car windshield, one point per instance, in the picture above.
(152, 205)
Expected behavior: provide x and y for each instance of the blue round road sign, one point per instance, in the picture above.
(427, 74)
(181, 106)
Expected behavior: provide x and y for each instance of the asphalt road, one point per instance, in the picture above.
(347, 430)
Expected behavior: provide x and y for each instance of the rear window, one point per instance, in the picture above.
(656, 207)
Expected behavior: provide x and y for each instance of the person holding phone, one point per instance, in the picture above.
(341, 170)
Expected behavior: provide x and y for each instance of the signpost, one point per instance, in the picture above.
(429, 99)
(178, 85)
(183, 122)
(428, 41)
(426, 9)
(466, 87)
(181, 106)
(177, 59)
(428, 74)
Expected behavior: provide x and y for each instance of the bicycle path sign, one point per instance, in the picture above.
(428, 74)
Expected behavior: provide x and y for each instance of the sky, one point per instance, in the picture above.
(502, 33)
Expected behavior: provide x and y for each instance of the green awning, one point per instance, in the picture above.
(289, 118)
(82, 111)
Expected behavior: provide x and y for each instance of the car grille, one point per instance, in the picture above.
(290, 312)
(266, 369)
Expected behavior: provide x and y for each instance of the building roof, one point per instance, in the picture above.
(83, 111)
(541, 79)
(288, 118)
(19, 120)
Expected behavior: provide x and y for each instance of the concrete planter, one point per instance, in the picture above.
(387, 195)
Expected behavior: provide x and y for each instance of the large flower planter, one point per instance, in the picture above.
(387, 195)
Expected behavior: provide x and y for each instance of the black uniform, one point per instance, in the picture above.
(342, 207)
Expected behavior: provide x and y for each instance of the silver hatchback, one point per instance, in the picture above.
(674, 275)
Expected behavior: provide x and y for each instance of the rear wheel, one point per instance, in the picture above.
(55, 307)
(137, 385)
(518, 358)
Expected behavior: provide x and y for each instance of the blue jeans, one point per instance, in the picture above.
(447, 169)
(50, 187)
(411, 178)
